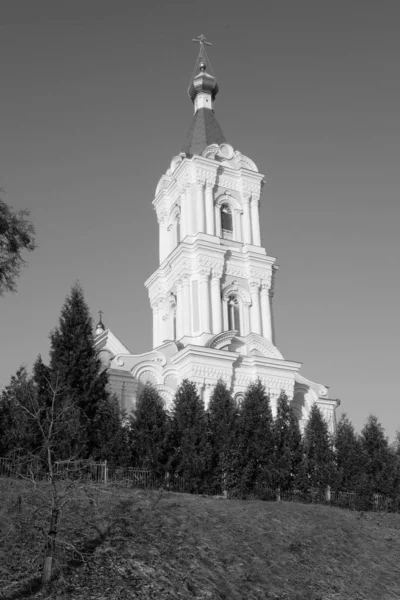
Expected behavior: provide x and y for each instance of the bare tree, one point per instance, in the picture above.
(50, 421)
(16, 234)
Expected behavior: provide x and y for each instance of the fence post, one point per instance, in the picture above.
(328, 493)
(105, 472)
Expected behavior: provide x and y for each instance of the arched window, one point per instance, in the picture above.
(226, 221)
(233, 314)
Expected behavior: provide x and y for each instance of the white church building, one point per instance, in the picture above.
(212, 292)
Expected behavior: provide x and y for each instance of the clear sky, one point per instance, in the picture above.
(94, 106)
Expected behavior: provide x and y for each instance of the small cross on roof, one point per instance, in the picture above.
(201, 39)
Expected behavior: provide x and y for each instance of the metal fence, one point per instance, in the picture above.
(145, 479)
(350, 500)
(85, 470)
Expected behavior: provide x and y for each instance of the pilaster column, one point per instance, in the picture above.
(208, 393)
(189, 210)
(205, 307)
(154, 306)
(163, 249)
(246, 218)
(255, 307)
(187, 327)
(170, 241)
(179, 310)
(158, 322)
(217, 213)
(225, 314)
(246, 318)
(200, 386)
(216, 301)
(271, 304)
(175, 237)
(210, 224)
(255, 220)
(238, 225)
(200, 208)
(266, 312)
(183, 216)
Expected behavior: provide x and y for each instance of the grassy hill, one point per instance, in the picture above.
(144, 545)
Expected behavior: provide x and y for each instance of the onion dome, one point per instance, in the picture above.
(201, 79)
(100, 325)
(203, 82)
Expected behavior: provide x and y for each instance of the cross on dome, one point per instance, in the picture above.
(100, 325)
(201, 39)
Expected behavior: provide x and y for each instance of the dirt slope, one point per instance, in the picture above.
(182, 546)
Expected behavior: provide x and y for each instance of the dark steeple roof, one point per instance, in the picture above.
(204, 130)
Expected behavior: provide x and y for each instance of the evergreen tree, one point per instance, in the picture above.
(73, 360)
(222, 428)
(379, 460)
(255, 456)
(188, 437)
(52, 397)
(148, 431)
(17, 436)
(317, 469)
(42, 375)
(288, 445)
(348, 456)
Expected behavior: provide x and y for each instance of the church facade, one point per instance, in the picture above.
(212, 293)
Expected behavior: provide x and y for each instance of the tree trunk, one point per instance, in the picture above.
(50, 546)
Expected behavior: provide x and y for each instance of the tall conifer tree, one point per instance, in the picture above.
(318, 464)
(188, 437)
(148, 431)
(73, 360)
(255, 456)
(222, 426)
(288, 446)
(348, 456)
(17, 435)
(378, 457)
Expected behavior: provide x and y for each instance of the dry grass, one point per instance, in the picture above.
(180, 546)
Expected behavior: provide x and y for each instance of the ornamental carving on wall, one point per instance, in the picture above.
(236, 271)
(271, 383)
(210, 151)
(251, 188)
(260, 274)
(208, 372)
(210, 261)
(243, 379)
(246, 161)
(204, 175)
(235, 288)
(226, 198)
(230, 184)
(166, 393)
(221, 340)
(264, 346)
(148, 377)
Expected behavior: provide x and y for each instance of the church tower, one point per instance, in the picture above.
(211, 295)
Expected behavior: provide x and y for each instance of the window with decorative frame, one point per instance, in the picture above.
(226, 221)
(234, 314)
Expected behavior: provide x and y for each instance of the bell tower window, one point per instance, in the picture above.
(226, 221)
(233, 314)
